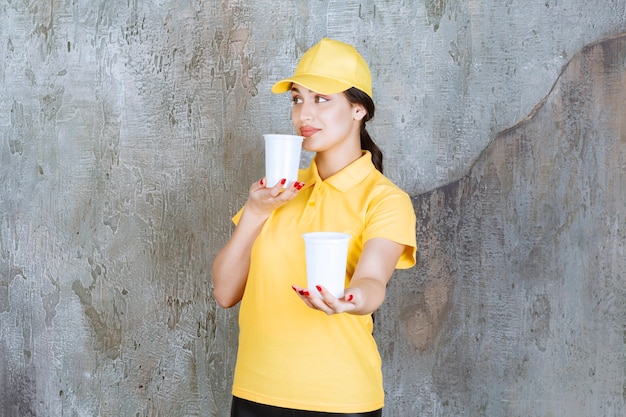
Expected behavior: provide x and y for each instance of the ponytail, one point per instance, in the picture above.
(356, 96)
(368, 144)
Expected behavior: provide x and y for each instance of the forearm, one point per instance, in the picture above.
(232, 263)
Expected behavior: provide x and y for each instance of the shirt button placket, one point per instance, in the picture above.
(312, 203)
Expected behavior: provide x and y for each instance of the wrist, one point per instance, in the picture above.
(252, 216)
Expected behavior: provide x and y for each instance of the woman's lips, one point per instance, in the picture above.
(308, 131)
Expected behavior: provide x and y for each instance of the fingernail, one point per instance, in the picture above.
(294, 288)
(306, 293)
(262, 181)
(283, 181)
(301, 292)
(300, 185)
(350, 297)
(318, 288)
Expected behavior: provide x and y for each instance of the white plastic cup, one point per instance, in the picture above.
(282, 158)
(326, 257)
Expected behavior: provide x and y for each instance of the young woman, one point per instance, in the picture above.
(301, 354)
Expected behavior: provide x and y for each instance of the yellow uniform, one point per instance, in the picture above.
(289, 354)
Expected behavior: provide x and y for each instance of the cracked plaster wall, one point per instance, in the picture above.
(130, 130)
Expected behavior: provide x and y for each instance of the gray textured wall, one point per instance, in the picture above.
(129, 134)
(518, 308)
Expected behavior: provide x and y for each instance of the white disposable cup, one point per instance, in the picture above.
(282, 158)
(326, 257)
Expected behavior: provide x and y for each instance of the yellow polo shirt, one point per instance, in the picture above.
(296, 357)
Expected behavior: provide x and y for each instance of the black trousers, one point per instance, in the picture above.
(245, 408)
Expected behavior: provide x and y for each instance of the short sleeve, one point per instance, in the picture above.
(237, 216)
(393, 217)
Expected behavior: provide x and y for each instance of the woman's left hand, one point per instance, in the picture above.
(328, 303)
(368, 284)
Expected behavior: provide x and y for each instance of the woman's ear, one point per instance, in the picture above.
(358, 112)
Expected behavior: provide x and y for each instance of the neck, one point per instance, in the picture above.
(329, 163)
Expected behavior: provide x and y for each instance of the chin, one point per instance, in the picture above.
(306, 145)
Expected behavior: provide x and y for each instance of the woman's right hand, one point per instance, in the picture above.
(262, 201)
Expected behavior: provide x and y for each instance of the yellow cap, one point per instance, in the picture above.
(329, 67)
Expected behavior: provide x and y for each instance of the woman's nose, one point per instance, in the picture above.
(306, 111)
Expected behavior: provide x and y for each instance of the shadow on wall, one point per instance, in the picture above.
(516, 306)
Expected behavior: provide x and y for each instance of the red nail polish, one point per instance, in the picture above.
(299, 185)
(350, 297)
(301, 292)
(318, 288)
(306, 293)
(262, 181)
(283, 181)
(294, 288)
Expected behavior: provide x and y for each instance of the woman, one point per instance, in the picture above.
(293, 359)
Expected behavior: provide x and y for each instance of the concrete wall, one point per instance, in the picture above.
(130, 131)
(517, 304)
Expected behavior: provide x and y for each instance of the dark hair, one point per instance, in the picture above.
(356, 96)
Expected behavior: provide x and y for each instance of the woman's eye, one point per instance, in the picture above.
(319, 99)
(296, 100)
